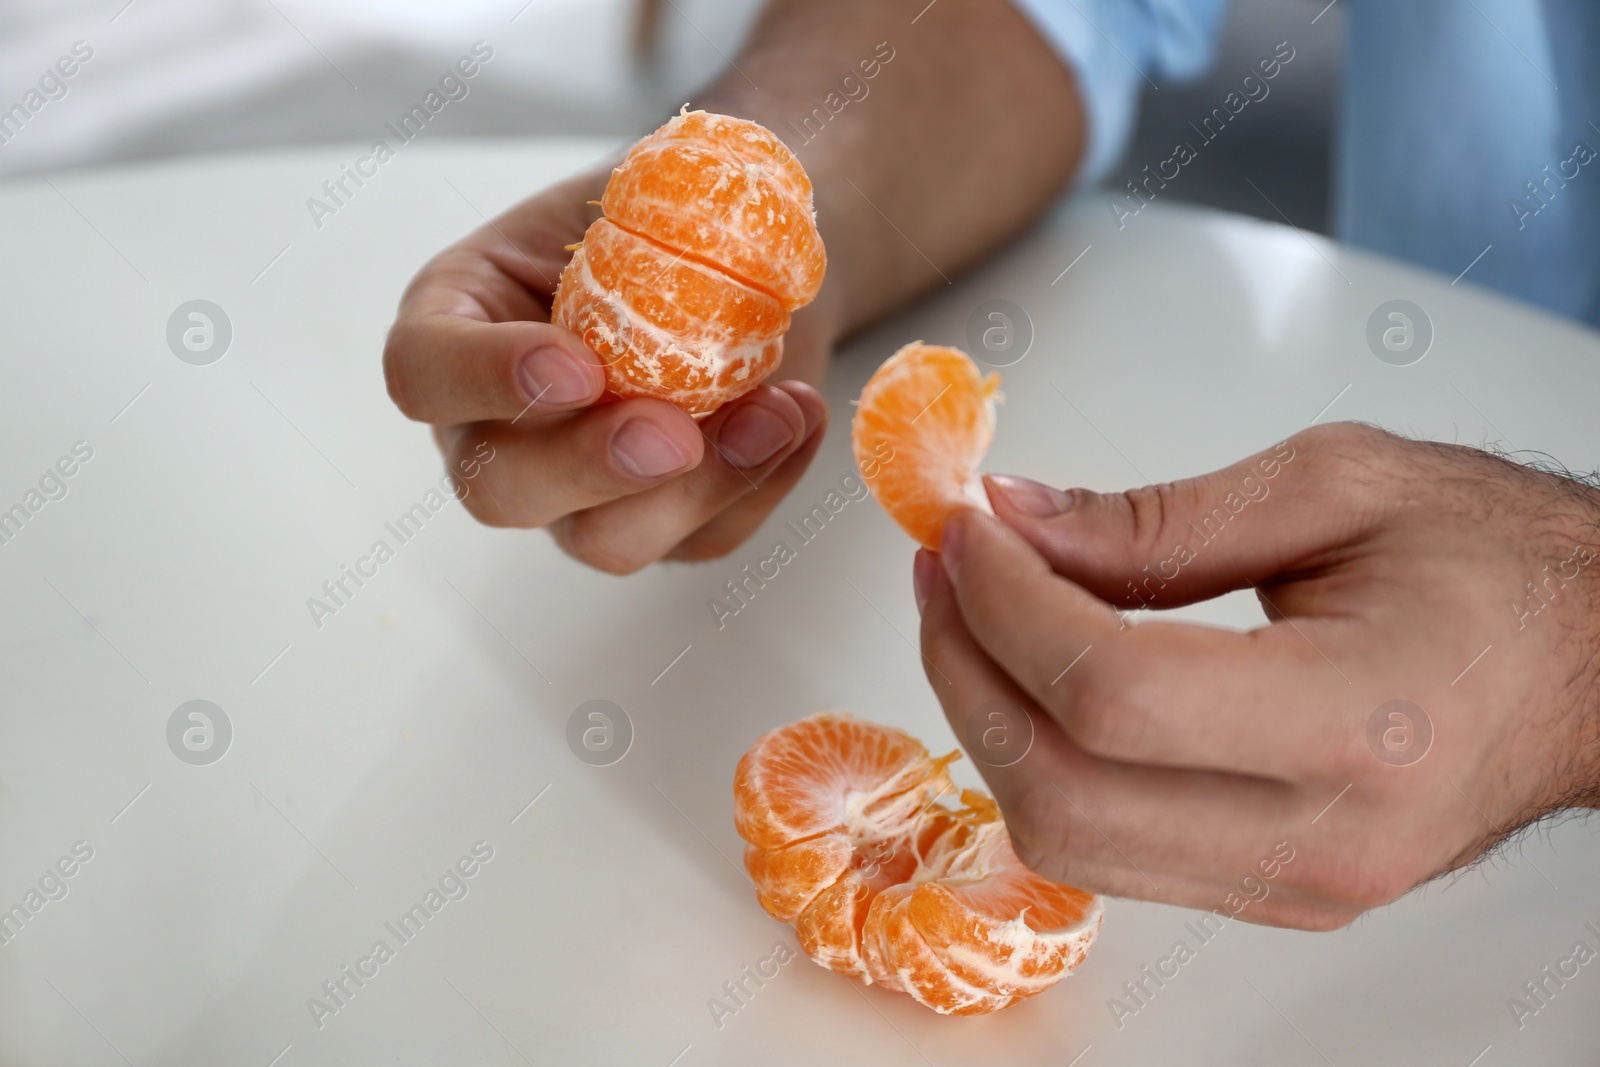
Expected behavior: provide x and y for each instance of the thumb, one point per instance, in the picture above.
(1171, 544)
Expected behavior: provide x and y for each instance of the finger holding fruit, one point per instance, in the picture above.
(635, 425)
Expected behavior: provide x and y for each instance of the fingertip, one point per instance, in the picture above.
(812, 406)
(652, 440)
(559, 372)
(981, 556)
(766, 423)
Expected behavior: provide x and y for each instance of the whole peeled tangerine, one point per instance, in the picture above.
(851, 840)
(708, 241)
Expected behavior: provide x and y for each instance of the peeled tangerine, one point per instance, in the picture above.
(709, 241)
(922, 425)
(849, 840)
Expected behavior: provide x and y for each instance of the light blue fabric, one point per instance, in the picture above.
(1466, 125)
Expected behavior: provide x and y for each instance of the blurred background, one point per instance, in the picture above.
(179, 77)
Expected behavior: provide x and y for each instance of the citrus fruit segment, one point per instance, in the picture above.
(634, 301)
(788, 879)
(731, 194)
(852, 840)
(931, 412)
(708, 242)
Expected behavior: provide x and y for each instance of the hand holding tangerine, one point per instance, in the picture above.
(619, 481)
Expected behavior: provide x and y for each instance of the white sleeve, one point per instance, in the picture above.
(1115, 48)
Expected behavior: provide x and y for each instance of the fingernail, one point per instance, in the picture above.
(644, 451)
(924, 569)
(752, 435)
(950, 546)
(1030, 497)
(551, 375)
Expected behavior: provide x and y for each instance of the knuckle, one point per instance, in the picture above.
(1383, 887)
(1354, 885)
(1100, 717)
(1032, 854)
(1339, 435)
(1085, 723)
(1040, 832)
(1148, 507)
(1339, 447)
(1344, 753)
(482, 505)
(707, 546)
(1053, 837)
(396, 380)
(478, 495)
(1364, 469)
(587, 540)
(1303, 915)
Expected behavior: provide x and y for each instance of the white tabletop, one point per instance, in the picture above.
(430, 711)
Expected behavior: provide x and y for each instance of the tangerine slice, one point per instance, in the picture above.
(849, 839)
(709, 241)
(728, 191)
(930, 410)
(634, 302)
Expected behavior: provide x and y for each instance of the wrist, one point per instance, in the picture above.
(1567, 588)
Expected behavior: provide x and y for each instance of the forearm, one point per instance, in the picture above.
(960, 139)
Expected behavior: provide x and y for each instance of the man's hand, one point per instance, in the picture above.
(1169, 761)
(472, 351)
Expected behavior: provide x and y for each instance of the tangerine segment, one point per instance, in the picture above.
(788, 879)
(728, 192)
(709, 241)
(829, 930)
(832, 774)
(930, 409)
(996, 925)
(896, 947)
(849, 839)
(668, 326)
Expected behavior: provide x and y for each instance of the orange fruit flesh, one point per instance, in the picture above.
(709, 241)
(922, 425)
(634, 302)
(730, 193)
(850, 840)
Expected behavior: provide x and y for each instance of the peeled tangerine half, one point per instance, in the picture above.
(850, 840)
(922, 426)
(709, 241)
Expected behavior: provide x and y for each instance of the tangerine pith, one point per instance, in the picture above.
(850, 840)
(707, 245)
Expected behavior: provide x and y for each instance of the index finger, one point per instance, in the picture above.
(472, 339)
(1163, 693)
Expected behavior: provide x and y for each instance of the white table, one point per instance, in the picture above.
(430, 711)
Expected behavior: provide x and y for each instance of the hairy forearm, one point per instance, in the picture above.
(958, 141)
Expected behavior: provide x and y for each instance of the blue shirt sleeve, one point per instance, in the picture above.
(1115, 48)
